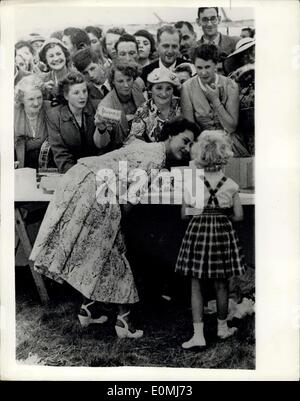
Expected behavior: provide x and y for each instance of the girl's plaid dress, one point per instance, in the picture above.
(210, 247)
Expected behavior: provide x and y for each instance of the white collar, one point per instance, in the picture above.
(171, 68)
(216, 41)
(203, 87)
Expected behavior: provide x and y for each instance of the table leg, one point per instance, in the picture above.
(24, 239)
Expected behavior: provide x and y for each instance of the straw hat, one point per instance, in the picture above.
(230, 63)
(160, 75)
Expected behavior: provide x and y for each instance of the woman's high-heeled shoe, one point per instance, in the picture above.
(124, 332)
(87, 319)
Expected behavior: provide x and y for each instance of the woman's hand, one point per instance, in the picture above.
(212, 93)
(103, 124)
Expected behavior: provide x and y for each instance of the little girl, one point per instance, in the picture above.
(210, 248)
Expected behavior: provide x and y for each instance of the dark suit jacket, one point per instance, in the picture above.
(65, 138)
(226, 45)
(155, 64)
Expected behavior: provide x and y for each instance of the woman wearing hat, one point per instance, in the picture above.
(212, 100)
(241, 68)
(162, 106)
(55, 55)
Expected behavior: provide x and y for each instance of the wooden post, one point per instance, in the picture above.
(24, 239)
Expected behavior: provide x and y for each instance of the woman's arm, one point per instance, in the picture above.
(229, 113)
(186, 104)
(238, 213)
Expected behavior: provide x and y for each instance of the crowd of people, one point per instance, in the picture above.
(149, 79)
(161, 94)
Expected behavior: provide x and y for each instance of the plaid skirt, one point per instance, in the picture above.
(210, 248)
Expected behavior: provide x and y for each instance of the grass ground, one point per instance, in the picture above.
(51, 335)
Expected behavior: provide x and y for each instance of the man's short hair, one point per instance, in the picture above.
(116, 30)
(189, 26)
(83, 58)
(95, 30)
(202, 9)
(169, 29)
(126, 38)
(79, 38)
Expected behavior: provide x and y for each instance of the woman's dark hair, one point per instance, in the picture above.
(79, 38)
(24, 43)
(72, 78)
(147, 35)
(44, 49)
(206, 52)
(129, 69)
(177, 126)
(95, 30)
(83, 58)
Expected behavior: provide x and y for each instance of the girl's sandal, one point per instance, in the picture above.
(86, 318)
(125, 332)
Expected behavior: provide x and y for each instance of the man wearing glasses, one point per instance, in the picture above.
(209, 19)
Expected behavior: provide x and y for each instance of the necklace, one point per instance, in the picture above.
(32, 124)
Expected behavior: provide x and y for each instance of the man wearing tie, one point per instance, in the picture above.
(88, 63)
(168, 42)
(209, 20)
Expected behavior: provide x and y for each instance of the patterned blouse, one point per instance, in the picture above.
(147, 123)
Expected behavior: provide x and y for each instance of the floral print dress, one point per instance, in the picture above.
(80, 240)
(147, 123)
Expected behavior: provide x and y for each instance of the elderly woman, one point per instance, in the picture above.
(30, 126)
(56, 57)
(125, 97)
(212, 100)
(81, 240)
(162, 106)
(71, 124)
(146, 46)
(240, 65)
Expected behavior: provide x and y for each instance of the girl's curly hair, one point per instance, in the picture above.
(212, 148)
(72, 78)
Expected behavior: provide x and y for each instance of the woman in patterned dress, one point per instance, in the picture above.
(81, 241)
(162, 107)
